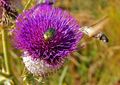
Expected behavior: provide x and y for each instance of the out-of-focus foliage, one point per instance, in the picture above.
(95, 64)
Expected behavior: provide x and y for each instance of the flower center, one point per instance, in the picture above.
(49, 34)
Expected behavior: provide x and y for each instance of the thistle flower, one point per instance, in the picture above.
(46, 35)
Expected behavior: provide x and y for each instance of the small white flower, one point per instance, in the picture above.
(39, 67)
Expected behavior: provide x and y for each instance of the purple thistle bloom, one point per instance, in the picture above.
(46, 34)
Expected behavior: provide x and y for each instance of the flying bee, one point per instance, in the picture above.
(94, 32)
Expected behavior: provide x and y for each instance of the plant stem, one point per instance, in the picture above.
(4, 74)
(6, 58)
(27, 5)
(63, 75)
(5, 50)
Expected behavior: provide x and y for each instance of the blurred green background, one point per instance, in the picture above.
(95, 64)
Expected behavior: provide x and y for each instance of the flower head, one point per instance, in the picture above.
(46, 35)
